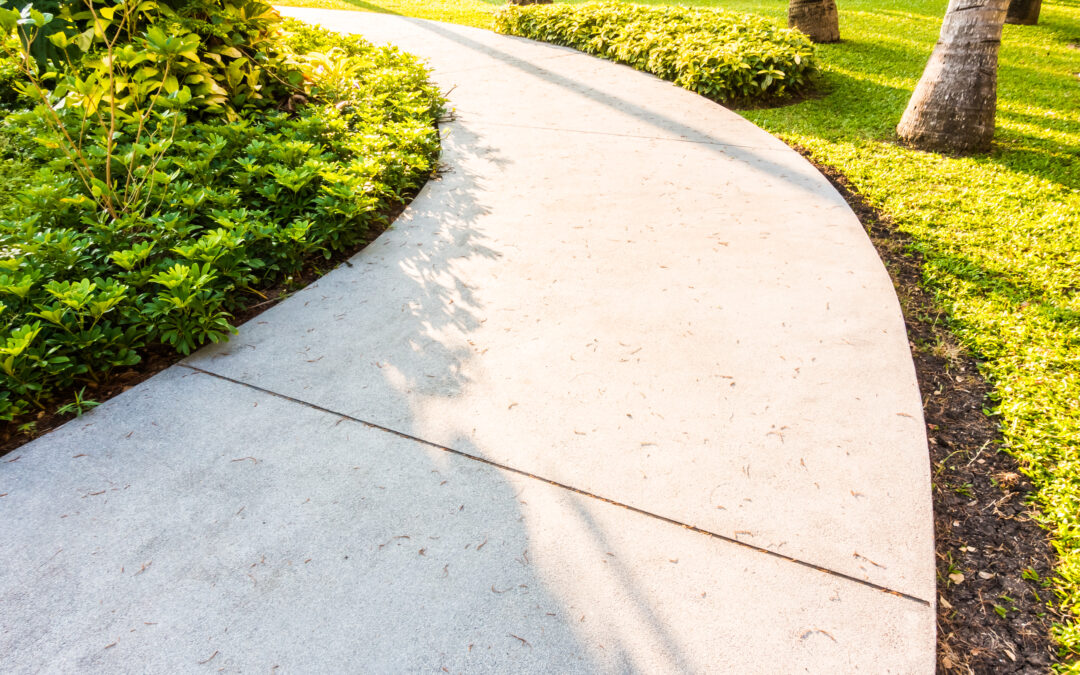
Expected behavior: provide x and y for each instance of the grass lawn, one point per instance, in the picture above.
(1000, 233)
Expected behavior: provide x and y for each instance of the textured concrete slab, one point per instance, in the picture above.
(625, 390)
(695, 329)
(193, 523)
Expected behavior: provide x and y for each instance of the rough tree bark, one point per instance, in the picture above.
(954, 104)
(1024, 12)
(817, 18)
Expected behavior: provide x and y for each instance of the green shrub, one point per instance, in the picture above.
(721, 55)
(9, 73)
(223, 52)
(226, 205)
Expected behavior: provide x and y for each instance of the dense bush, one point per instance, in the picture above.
(9, 72)
(721, 55)
(152, 220)
(227, 55)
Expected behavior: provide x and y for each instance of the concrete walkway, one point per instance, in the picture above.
(627, 389)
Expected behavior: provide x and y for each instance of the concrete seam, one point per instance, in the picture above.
(563, 486)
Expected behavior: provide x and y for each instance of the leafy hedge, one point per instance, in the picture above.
(721, 55)
(236, 194)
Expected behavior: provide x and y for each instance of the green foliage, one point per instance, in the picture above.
(221, 53)
(114, 82)
(14, 171)
(9, 71)
(78, 405)
(240, 204)
(718, 54)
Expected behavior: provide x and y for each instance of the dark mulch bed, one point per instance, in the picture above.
(996, 618)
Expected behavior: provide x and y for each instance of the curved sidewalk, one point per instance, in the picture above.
(627, 388)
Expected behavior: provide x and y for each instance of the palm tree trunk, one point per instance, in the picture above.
(1024, 12)
(817, 18)
(954, 104)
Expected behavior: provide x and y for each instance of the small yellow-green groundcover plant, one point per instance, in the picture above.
(722, 55)
(176, 157)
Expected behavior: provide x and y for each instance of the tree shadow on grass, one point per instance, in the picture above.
(1007, 287)
(369, 7)
(418, 9)
(1028, 153)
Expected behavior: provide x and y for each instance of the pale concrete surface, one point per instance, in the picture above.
(204, 517)
(617, 286)
(695, 329)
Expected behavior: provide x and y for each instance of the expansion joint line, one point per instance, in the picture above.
(564, 486)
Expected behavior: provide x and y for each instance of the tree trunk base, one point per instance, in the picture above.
(817, 18)
(953, 107)
(1024, 12)
(951, 142)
